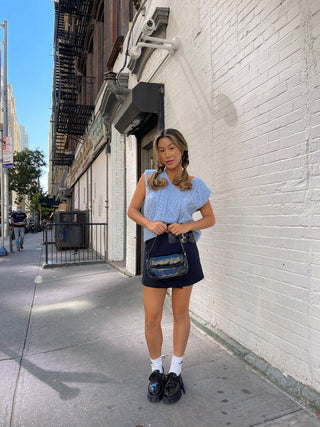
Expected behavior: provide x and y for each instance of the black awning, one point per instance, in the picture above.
(143, 105)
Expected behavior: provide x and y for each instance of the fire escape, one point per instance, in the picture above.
(70, 119)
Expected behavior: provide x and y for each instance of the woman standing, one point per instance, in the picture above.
(170, 198)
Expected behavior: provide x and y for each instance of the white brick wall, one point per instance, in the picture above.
(117, 198)
(99, 182)
(244, 88)
(83, 193)
(98, 201)
(265, 242)
(131, 183)
(76, 196)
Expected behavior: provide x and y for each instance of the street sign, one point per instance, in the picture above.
(7, 148)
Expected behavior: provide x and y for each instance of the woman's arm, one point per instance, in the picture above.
(135, 206)
(207, 220)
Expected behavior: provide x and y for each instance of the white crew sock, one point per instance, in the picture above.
(176, 365)
(156, 364)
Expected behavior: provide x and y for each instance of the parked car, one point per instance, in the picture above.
(29, 225)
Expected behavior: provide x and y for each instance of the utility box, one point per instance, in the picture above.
(72, 230)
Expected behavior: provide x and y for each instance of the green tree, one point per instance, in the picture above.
(41, 205)
(47, 206)
(35, 205)
(26, 172)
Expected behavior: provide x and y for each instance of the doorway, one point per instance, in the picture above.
(145, 161)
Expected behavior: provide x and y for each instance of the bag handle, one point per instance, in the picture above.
(180, 241)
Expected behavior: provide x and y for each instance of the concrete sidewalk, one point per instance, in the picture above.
(73, 353)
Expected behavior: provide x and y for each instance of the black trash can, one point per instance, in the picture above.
(72, 229)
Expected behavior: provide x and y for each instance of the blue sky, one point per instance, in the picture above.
(30, 66)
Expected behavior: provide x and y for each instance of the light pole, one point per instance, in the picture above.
(3, 250)
(4, 133)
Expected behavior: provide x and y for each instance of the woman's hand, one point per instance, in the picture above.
(206, 221)
(157, 227)
(177, 229)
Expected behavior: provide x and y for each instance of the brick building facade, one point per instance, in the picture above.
(242, 85)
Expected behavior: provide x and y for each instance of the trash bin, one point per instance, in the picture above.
(72, 230)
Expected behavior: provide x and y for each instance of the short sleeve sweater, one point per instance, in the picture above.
(170, 204)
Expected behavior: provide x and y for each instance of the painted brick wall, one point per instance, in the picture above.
(244, 88)
(131, 182)
(98, 200)
(83, 192)
(117, 198)
(265, 253)
(188, 107)
(99, 189)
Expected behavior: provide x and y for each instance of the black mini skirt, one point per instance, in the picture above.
(163, 247)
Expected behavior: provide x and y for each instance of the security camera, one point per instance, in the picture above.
(148, 27)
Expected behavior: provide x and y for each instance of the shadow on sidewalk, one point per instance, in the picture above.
(55, 379)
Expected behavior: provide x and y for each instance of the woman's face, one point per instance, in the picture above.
(169, 154)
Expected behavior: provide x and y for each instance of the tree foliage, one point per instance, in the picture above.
(41, 205)
(35, 204)
(47, 206)
(26, 172)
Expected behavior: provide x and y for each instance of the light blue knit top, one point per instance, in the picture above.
(170, 204)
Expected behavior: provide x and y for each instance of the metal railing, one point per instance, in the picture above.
(71, 243)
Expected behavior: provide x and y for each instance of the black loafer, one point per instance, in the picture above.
(156, 386)
(172, 388)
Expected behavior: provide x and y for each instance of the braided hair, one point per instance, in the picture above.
(183, 182)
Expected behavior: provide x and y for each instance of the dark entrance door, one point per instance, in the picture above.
(145, 158)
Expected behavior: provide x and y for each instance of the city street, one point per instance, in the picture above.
(73, 353)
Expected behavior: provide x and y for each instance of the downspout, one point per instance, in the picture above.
(79, 194)
(117, 90)
(107, 204)
(90, 193)
(107, 124)
(125, 198)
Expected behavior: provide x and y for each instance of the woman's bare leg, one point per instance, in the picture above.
(181, 319)
(153, 299)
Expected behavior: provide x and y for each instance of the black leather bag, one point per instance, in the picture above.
(167, 266)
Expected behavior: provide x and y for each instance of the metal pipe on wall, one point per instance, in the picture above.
(107, 202)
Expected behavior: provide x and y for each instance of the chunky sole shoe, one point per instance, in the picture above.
(172, 389)
(156, 386)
